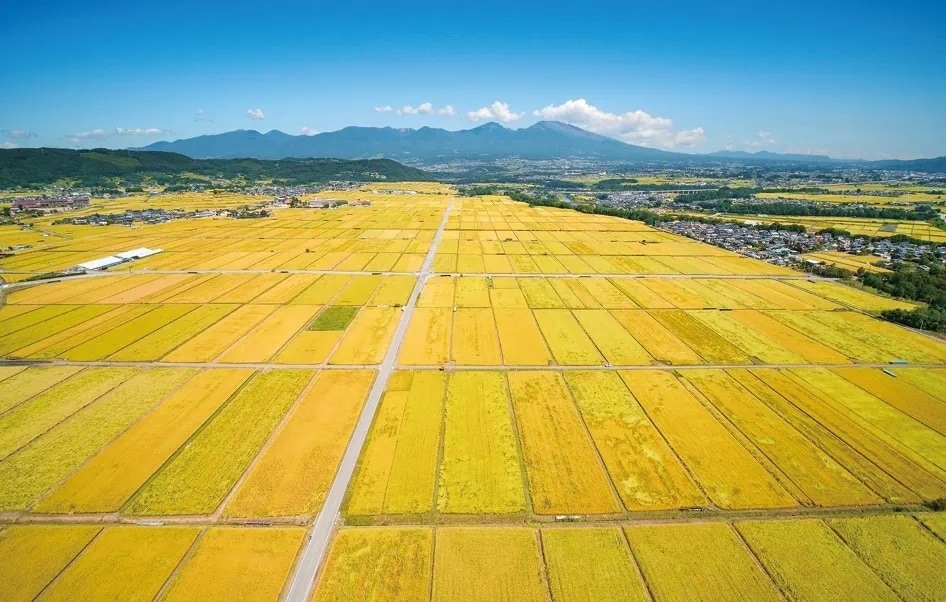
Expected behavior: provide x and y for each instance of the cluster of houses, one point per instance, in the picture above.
(51, 204)
(786, 248)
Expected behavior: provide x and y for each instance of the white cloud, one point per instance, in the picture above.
(425, 108)
(761, 139)
(255, 114)
(139, 131)
(7, 145)
(447, 110)
(96, 133)
(635, 127)
(19, 134)
(201, 115)
(384, 109)
(307, 131)
(498, 111)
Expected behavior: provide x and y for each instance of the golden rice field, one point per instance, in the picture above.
(580, 408)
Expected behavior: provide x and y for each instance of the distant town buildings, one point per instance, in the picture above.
(51, 204)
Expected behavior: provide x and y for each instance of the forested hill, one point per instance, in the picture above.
(35, 167)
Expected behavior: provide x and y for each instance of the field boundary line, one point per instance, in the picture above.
(70, 563)
(180, 449)
(634, 560)
(755, 558)
(172, 577)
(98, 451)
(447, 367)
(311, 558)
(594, 446)
(218, 513)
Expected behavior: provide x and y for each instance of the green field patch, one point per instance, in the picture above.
(334, 317)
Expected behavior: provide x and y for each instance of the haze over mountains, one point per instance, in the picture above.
(491, 141)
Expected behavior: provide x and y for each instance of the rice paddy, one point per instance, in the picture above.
(580, 407)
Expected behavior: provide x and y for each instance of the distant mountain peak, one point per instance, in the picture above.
(491, 140)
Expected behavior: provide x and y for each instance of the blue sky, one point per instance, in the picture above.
(852, 79)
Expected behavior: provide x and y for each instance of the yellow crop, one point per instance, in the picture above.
(200, 476)
(109, 342)
(475, 341)
(472, 291)
(394, 290)
(53, 346)
(840, 340)
(250, 289)
(165, 339)
(216, 339)
(910, 400)
(139, 289)
(905, 555)
(378, 564)
(764, 384)
(487, 564)
(438, 292)
(813, 401)
(645, 471)
(10, 343)
(358, 291)
(699, 561)
(368, 337)
(932, 382)
(47, 460)
(539, 293)
(32, 556)
(295, 472)
(714, 348)
(520, 338)
(28, 420)
(427, 341)
(480, 469)
(819, 477)
(20, 386)
(564, 472)
(210, 289)
(410, 487)
(399, 479)
(264, 342)
(745, 338)
(789, 339)
(611, 339)
(913, 438)
(907, 343)
(237, 563)
(656, 339)
(809, 562)
(568, 342)
(322, 290)
(850, 296)
(123, 563)
(591, 564)
(730, 475)
(285, 289)
(112, 476)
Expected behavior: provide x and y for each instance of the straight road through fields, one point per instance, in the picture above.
(300, 588)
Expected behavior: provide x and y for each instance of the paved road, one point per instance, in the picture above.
(304, 577)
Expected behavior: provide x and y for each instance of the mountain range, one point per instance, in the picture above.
(491, 141)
